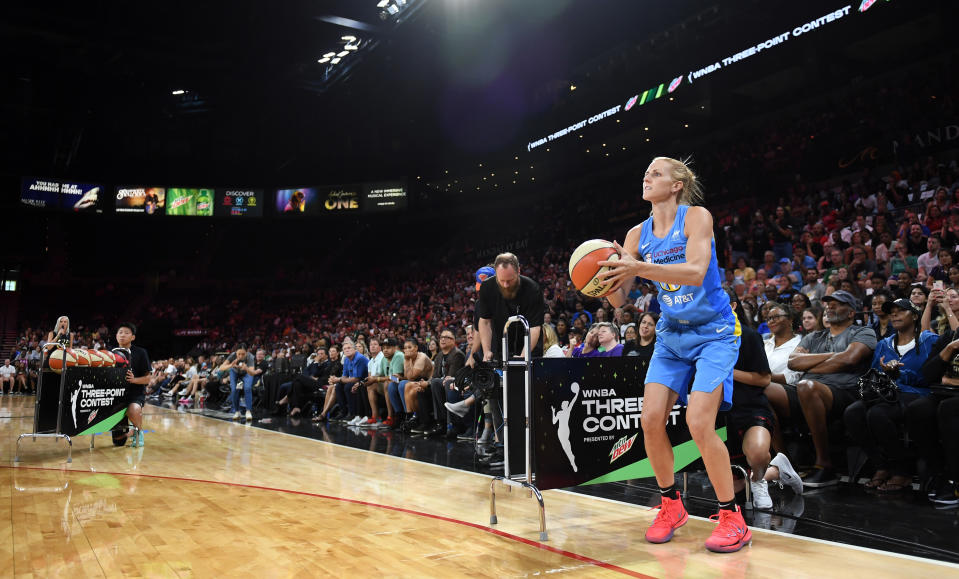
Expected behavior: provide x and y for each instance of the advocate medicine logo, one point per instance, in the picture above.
(621, 447)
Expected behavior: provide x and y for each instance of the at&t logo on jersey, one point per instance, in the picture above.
(677, 300)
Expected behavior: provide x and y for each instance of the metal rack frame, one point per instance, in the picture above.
(525, 480)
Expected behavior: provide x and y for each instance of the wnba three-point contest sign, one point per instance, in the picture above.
(95, 400)
(587, 423)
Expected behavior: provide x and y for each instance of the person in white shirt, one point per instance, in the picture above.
(7, 376)
(779, 345)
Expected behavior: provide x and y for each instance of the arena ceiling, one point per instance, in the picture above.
(93, 89)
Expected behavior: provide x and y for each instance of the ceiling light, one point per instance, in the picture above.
(342, 54)
(401, 2)
(329, 55)
(179, 91)
(351, 47)
(324, 60)
(350, 38)
(335, 61)
(382, 3)
(392, 9)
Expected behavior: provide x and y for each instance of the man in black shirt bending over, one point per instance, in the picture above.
(508, 294)
(138, 376)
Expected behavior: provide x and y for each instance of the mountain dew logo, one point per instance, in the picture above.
(621, 447)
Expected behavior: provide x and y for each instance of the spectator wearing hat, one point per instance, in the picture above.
(875, 427)
(831, 362)
(786, 271)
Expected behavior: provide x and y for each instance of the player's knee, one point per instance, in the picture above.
(653, 422)
(700, 424)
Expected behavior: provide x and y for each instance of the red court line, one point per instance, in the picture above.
(497, 532)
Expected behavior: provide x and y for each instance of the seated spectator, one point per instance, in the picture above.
(240, 365)
(933, 421)
(345, 386)
(311, 383)
(449, 361)
(797, 304)
(786, 271)
(602, 340)
(780, 343)
(562, 332)
(813, 288)
(641, 344)
(878, 318)
(918, 294)
(875, 427)
(417, 370)
(380, 384)
(941, 271)
(551, 347)
(929, 259)
(8, 375)
(831, 362)
(944, 304)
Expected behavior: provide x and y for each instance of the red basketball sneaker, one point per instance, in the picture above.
(672, 515)
(731, 534)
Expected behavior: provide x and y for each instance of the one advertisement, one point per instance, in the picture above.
(586, 423)
(239, 202)
(388, 196)
(192, 202)
(340, 199)
(94, 400)
(147, 200)
(296, 201)
(54, 194)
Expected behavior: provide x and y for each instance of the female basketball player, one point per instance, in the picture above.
(697, 338)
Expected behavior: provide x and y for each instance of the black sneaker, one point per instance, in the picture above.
(422, 428)
(436, 431)
(948, 495)
(820, 477)
(492, 458)
(467, 436)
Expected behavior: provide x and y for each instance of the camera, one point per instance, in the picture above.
(482, 381)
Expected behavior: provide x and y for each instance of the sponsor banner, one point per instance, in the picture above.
(187, 332)
(145, 200)
(54, 194)
(296, 201)
(586, 423)
(94, 400)
(340, 199)
(384, 196)
(239, 203)
(193, 202)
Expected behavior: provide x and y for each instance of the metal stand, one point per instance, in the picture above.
(36, 412)
(517, 481)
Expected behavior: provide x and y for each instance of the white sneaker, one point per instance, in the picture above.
(458, 408)
(358, 420)
(236, 415)
(487, 435)
(249, 415)
(761, 498)
(787, 474)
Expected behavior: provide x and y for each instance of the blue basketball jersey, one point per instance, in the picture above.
(685, 305)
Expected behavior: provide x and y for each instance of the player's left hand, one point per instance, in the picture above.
(621, 270)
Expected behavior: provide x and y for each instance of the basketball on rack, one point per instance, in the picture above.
(83, 359)
(60, 358)
(108, 358)
(583, 270)
(95, 360)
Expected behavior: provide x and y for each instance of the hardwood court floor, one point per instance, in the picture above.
(210, 498)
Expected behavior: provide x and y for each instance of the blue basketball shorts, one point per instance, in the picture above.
(703, 354)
